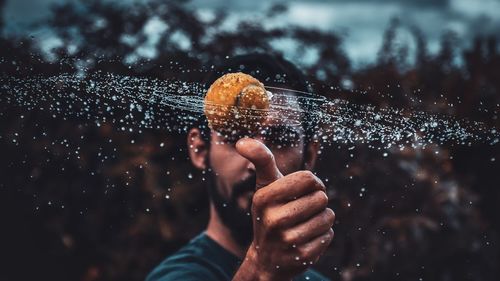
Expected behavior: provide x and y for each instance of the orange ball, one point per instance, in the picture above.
(236, 101)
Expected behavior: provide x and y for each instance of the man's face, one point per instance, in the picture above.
(232, 176)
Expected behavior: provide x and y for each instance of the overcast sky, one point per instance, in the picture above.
(360, 22)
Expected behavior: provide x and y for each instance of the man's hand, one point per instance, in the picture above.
(292, 224)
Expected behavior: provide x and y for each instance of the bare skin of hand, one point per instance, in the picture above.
(292, 224)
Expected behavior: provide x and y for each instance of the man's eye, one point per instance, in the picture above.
(233, 137)
(282, 137)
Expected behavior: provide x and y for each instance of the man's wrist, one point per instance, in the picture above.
(250, 269)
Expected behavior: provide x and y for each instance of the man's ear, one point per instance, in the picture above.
(197, 149)
(311, 154)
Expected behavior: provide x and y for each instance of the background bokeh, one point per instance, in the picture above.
(86, 202)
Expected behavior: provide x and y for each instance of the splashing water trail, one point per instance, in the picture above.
(130, 103)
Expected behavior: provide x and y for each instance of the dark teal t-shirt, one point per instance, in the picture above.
(202, 259)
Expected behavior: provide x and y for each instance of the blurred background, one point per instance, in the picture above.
(86, 202)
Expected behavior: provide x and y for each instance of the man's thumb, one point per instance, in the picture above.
(262, 158)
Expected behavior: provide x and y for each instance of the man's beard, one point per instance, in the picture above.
(236, 219)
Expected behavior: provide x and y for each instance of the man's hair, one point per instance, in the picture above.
(271, 70)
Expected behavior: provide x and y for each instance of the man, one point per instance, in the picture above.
(268, 213)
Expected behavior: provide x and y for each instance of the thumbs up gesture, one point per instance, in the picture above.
(292, 224)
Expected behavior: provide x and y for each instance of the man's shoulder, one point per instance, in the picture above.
(311, 275)
(201, 259)
(191, 263)
(170, 270)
